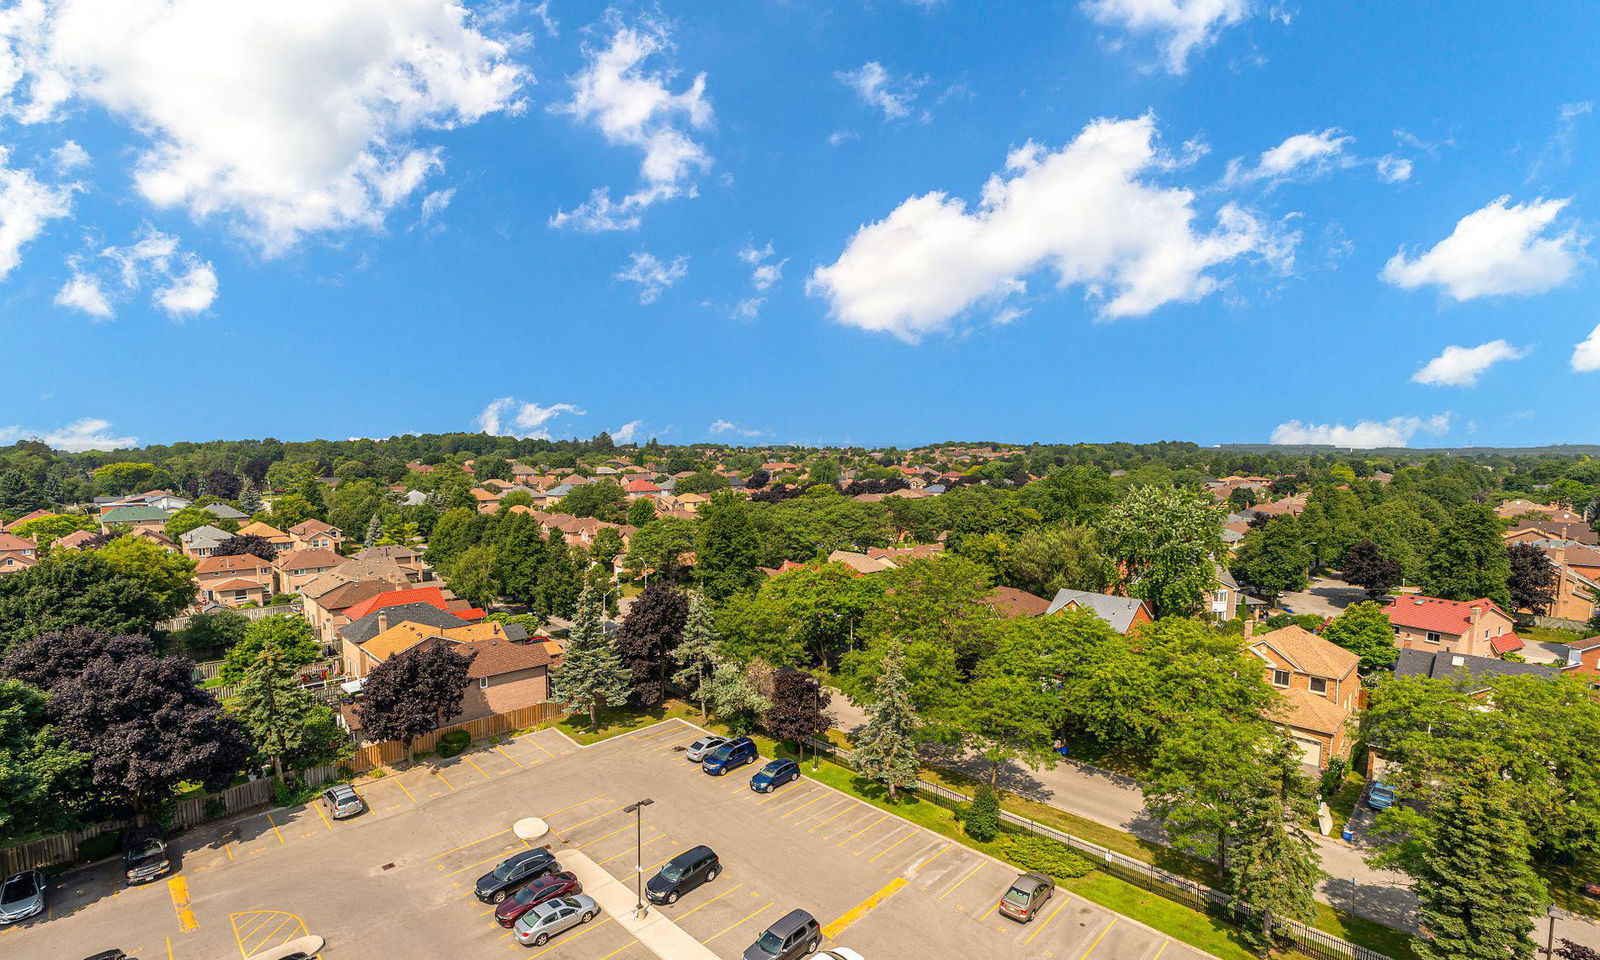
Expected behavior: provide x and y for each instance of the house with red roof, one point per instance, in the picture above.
(1477, 628)
(433, 596)
(640, 487)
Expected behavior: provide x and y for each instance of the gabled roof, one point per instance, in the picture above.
(26, 517)
(1309, 653)
(10, 541)
(228, 564)
(348, 594)
(1117, 611)
(1442, 616)
(1441, 663)
(223, 511)
(1558, 530)
(139, 514)
(310, 558)
(365, 628)
(260, 529)
(388, 551)
(73, 540)
(641, 486)
(431, 595)
(237, 583)
(1309, 711)
(860, 562)
(1011, 602)
(311, 527)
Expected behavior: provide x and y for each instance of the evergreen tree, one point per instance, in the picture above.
(374, 530)
(1475, 880)
(1275, 866)
(249, 498)
(1469, 558)
(697, 653)
(735, 696)
(15, 497)
(982, 819)
(273, 706)
(591, 674)
(886, 749)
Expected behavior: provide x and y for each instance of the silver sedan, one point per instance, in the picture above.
(537, 926)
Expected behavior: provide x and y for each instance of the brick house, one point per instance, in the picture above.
(202, 542)
(17, 553)
(233, 581)
(1318, 690)
(1122, 613)
(268, 532)
(293, 569)
(313, 534)
(1476, 628)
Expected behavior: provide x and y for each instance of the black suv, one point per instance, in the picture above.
(795, 935)
(495, 885)
(683, 873)
(144, 855)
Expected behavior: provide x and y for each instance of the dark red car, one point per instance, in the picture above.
(545, 888)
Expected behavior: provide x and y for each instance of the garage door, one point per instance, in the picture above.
(1310, 751)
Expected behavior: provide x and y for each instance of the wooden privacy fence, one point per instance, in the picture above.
(1314, 943)
(249, 613)
(62, 848)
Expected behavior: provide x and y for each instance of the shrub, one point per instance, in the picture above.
(214, 807)
(99, 847)
(982, 820)
(1333, 777)
(454, 742)
(1046, 856)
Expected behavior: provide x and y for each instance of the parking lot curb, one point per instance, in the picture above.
(654, 930)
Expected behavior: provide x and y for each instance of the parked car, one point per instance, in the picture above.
(840, 953)
(496, 885)
(697, 751)
(144, 855)
(21, 896)
(774, 775)
(1027, 896)
(301, 948)
(730, 756)
(547, 887)
(110, 955)
(537, 926)
(796, 934)
(683, 873)
(342, 801)
(1380, 796)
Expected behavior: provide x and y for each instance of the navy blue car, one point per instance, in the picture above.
(774, 775)
(729, 756)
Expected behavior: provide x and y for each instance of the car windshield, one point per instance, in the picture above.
(19, 888)
(770, 943)
(507, 870)
(145, 850)
(530, 893)
(772, 768)
(1019, 896)
(672, 873)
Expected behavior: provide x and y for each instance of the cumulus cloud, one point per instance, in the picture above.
(1365, 434)
(877, 89)
(283, 118)
(764, 270)
(26, 205)
(721, 427)
(634, 107)
(90, 433)
(1301, 156)
(1090, 211)
(510, 417)
(70, 157)
(1393, 169)
(653, 275)
(1462, 366)
(749, 308)
(1182, 26)
(629, 432)
(1586, 355)
(1496, 250)
(182, 284)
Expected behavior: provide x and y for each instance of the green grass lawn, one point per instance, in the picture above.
(1551, 634)
(616, 721)
(1343, 804)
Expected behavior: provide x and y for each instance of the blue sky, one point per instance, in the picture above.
(1216, 221)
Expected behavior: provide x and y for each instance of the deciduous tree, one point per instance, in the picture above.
(1533, 579)
(288, 634)
(726, 547)
(1469, 558)
(246, 543)
(1367, 567)
(413, 693)
(1165, 540)
(648, 637)
(799, 707)
(1364, 629)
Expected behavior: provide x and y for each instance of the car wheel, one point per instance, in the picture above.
(672, 897)
(587, 917)
(541, 939)
(499, 897)
(712, 875)
(813, 945)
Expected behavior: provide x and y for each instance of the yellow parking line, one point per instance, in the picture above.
(318, 807)
(471, 843)
(178, 890)
(575, 936)
(541, 748)
(403, 789)
(750, 916)
(1162, 950)
(641, 847)
(777, 795)
(275, 828)
(598, 796)
(169, 948)
(1097, 940)
(509, 757)
(709, 902)
(963, 879)
(262, 940)
(874, 857)
(825, 794)
(442, 779)
(619, 950)
(862, 830)
(475, 863)
(603, 837)
(849, 807)
(936, 855)
(574, 826)
(863, 908)
(675, 731)
(1046, 921)
(475, 766)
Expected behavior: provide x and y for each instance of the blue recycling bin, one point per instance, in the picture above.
(1346, 834)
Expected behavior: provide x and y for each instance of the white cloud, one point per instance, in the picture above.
(748, 308)
(1559, 150)
(26, 206)
(764, 271)
(1393, 169)
(653, 275)
(636, 108)
(719, 427)
(70, 157)
(509, 417)
(629, 432)
(284, 118)
(434, 203)
(183, 285)
(1366, 434)
(838, 137)
(1462, 366)
(1493, 251)
(1089, 211)
(1302, 156)
(83, 292)
(90, 433)
(1182, 25)
(876, 88)
(1586, 355)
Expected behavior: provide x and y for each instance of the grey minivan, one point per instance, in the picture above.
(683, 873)
(537, 926)
(796, 934)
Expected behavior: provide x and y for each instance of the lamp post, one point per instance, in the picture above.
(1550, 940)
(637, 809)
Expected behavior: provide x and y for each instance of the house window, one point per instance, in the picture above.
(1319, 685)
(1433, 636)
(483, 683)
(1280, 678)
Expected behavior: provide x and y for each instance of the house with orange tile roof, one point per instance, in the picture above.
(17, 553)
(1318, 691)
(488, 500)
(1476, 628)
(269, 533)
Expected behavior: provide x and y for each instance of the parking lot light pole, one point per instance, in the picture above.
(637, 809)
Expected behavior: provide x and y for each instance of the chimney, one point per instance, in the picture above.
(383, 619)
(1249, 629)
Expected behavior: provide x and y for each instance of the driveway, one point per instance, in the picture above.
(1325, 597)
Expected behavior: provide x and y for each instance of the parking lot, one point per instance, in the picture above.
(397, 882)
